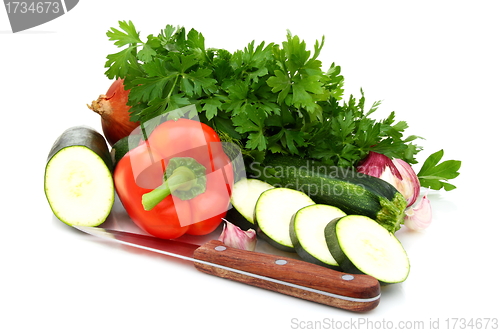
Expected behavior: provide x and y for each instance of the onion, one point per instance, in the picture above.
(114, 112)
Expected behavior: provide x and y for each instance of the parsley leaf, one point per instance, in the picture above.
(280, 83)
(211, 107)
(122, 63)
(128, 35)
(436, 175)
(252, 121)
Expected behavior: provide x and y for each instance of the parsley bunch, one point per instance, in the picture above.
(270, 98)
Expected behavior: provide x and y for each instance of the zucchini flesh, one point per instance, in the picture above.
(78, 181)
(273, 212)
(351, 191)
(307, 232)
(361, 245)
(245, 194)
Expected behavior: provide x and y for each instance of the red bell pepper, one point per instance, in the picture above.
(178, 181)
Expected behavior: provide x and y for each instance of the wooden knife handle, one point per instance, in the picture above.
(354, 292)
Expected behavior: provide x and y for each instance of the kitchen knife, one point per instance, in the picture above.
(354, 292)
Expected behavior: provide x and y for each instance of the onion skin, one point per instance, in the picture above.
(114, 112)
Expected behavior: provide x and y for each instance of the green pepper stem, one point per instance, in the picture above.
(184, 177)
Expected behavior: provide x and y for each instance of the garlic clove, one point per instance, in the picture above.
(419, 217)
(234, 236)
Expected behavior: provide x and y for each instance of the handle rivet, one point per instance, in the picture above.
(347, 277)
(281, 262)
(220, 248)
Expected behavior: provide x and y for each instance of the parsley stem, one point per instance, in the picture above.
(173, 86)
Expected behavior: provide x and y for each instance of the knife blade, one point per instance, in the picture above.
(353, 292)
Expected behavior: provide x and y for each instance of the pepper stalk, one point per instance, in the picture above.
(184, 177)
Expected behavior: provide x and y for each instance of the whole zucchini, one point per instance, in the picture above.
(346, 189)
(123, 146)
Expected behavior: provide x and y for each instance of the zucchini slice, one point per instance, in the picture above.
(245, 194)
(273, 212)
(361, 245)
(78, 180)
(307, 232)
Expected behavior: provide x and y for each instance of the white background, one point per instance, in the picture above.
(436, 63)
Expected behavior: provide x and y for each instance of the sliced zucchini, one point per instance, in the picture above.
(273, 212)
(361, 245)
(78, 180)
(245, 194)
(307, 232)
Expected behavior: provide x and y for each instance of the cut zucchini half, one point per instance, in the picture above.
(273, 212)
(78, 180)
(245, 194)
(307, 232)
(361, 245)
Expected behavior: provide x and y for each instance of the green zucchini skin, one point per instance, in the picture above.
(351, 191)
(83, 136)
(316, 216)
(123, 146)
(239, 220)
(333, 245)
